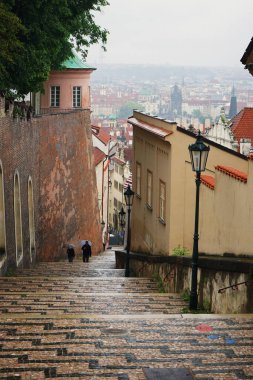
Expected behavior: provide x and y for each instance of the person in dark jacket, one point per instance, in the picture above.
(86, 248)
(70, 252)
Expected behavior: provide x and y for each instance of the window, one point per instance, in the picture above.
(120, 187)
(162, 200)
(18, 219)
(31, 219)
(76, 96)
(115, 202)
(121, 171)
(55, 96)
(116, 185)
(138, 179)
(149, 188)
(2, 215)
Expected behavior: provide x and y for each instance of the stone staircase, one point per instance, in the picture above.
(87, 321)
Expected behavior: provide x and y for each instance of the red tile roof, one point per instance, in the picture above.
(208, 181)
(98, 155)
(237, 174)
(101, 134)
(161, 132)
(242, 124)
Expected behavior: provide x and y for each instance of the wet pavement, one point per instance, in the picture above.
(87, 321)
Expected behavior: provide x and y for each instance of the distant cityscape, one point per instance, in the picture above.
(191, 96)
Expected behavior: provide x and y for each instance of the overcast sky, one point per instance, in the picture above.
(180, 32)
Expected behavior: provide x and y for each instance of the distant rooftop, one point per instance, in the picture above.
(76, 63)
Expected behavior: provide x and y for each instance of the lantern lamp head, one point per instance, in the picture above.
(199, 153)
(129, 196)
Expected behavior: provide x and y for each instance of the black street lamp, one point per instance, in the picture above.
(198, 153)
(129, 197)
(122, 217)
(122, 223)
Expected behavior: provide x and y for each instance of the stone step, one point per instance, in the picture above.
(76, 285)
(109, 303)
(92, 347)
(87, 321)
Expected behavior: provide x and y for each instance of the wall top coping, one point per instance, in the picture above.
(232, 172)
(218, 263)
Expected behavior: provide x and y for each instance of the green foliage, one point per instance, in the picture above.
(43, 34)
(202, 309)
(180, 251)
(159, 282)
(10, 43)
(186, 295)
(126, 109)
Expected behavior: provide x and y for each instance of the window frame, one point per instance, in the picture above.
(75, 97)
(138, 179)
(162, 202)
(53, 96)
(149, 189)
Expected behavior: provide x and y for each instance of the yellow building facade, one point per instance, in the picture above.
(164, 183)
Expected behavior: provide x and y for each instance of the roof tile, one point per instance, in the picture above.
(232, 172)
(98, 155)
(242, 124)
(208, 181)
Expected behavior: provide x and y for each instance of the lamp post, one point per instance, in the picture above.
(198, 153)
(129, 197)
(122, 221)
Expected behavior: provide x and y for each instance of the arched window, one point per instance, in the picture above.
(2, 216)
(31, 219)
(18, 220)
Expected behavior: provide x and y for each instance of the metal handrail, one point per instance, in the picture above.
(235, 286)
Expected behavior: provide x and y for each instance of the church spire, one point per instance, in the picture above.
(233, 104)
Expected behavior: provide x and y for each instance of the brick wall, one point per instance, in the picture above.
(68, 199)
(18, 151)
(56, 152)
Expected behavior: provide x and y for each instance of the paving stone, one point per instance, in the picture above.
(87, 321)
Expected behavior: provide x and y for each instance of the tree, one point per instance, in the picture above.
(10, 45)
(45, 33)
(127, 108)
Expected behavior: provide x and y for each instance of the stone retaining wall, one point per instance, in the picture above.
(214, 273)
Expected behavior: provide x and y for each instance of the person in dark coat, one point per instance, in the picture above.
(86, 248)
(70, 252)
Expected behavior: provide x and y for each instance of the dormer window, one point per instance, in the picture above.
(76, 96)
(55, 96)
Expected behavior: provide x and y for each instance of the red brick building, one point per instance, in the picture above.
(47, 186)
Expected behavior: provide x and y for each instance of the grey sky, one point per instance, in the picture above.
(181, 32)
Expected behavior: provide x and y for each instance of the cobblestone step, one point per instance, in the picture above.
(64, 321)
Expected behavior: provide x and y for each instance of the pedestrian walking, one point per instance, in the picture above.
(86, 248)
(70, 252)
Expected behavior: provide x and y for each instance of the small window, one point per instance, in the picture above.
(162, 200)
(149, 188)
(76, 96)
(120, 187)
(116, 185)
(138, 179)
(55, 96)
(115, 202)
(2, 215)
